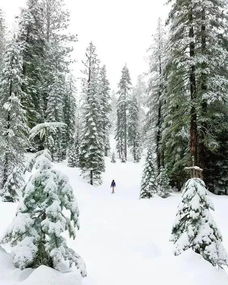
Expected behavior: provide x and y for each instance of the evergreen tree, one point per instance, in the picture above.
(163, 183)
(46, 59)
(105, 108)
(13, 186)
(69, 111)
(2, 37)
(196, 90)
(133, 128)
(58, 83)
(148, 184)
(140, 92)
(122, 105)
(54, 113)
(13, 125)
(113, 160)
(194, 226)
(48, 209)
(31, 36)
(73, 153)
(155, 101)
(91, 150)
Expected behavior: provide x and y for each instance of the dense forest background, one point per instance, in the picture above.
(177, 110)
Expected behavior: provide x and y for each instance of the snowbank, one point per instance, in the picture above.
(43, 275)
(123, 240)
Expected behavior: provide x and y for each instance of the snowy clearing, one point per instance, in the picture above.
(122, 239)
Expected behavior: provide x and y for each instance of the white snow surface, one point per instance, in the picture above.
(123, 240)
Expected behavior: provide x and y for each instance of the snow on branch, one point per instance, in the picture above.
(41, 129)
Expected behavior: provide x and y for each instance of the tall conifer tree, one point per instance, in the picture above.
(196, 90)
(122, 105)
(91, 150)
(13, 124)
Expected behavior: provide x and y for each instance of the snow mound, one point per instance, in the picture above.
(189, 268)
(47, 276)
(43, 275)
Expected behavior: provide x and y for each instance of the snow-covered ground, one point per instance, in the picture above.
(123, 240)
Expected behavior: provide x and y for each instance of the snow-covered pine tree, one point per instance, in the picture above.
(113, 160)
(196, 89)
(91, 149)
(155, 102)
(163, 183)
(122, 105)
(69, 111)
(13, 125)
(140, 92)
(57, 82)
(46, 59)
(2, 37)
(54, 113)
(13, 186)
(73, 152)
(148, 183)
(133, 128)
(47, 210)
(31, 36)
(194, 226)
(105, 108)
(211, 76)
(46, 133)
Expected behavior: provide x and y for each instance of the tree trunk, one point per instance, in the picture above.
(203, 87)
(125, 131)
(192, 79)
(158, 138)
(91, 177)
(6, 162)
(159, 114)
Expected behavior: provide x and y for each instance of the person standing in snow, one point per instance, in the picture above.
(113, 185)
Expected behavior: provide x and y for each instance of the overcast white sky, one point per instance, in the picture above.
(120, 29)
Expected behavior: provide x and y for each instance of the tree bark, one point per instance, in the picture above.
(125, 130)
(6, 159)
(193, 96)
(91, 177)
(203, 87)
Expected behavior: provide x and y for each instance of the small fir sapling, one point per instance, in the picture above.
(163, 183)
(113, 160)
(48, 209)
(194, 226)
(148, 184)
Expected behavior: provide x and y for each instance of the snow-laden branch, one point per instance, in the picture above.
(41, 129)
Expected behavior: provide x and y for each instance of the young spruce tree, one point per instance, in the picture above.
(148, 184)
(47, 210)
(194, 226)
